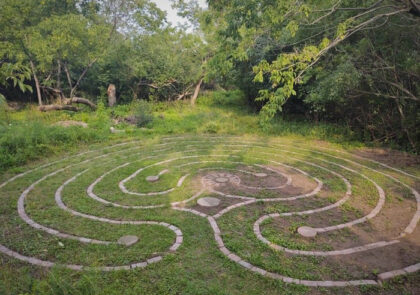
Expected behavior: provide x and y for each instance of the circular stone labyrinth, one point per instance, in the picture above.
(318, 217)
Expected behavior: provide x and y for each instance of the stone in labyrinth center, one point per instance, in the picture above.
(222, 179)
(208, 202)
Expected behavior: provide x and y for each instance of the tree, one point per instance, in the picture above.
(299, 48)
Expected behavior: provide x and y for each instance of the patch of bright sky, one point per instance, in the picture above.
(171, 14)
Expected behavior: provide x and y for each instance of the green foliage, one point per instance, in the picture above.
(143, 114)
(327, 55)
(100, 120)
(332, 85)
(23, 141)
(15, 73)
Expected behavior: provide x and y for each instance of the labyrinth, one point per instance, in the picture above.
(306, 215)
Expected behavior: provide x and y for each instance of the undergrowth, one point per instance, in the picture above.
(28, 134)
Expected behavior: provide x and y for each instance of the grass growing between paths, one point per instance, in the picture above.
(198, 266)
(85, 188)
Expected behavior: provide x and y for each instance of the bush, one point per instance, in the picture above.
(143, 115)
(211, 127)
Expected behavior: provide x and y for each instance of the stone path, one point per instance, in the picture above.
(217, 180)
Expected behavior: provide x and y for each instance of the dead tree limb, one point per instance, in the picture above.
(196, 91)
(57, 107)
(73, 89)
(38, 88)
(81, 100)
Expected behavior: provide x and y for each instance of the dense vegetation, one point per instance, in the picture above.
(343, 62)
(113, 88)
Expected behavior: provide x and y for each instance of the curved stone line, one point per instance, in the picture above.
(255, 200)
(97, 198)
(413, 223)
(77, 155)
(181, 180)
(372, 161)
(46, 263)
(190, 211)
(390, 274)
(347, 195)
(31, 222)
(371, 215)
(288, 182)
(328, 149)
(416, 218)
(382, 276)
(188, 200)
(385, 274)
(60, 203)
(249, 266)
(25, 217)
(55, 162)
(125, 190)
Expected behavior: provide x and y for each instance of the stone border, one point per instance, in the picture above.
(212, 219)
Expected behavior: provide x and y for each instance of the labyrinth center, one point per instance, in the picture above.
(275, 208)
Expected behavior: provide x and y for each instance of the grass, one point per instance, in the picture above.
(28, 134)
(198, 266)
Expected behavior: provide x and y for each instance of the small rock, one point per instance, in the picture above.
(113, 130)
(71, 123)
(127, 240)
(152, 178)
(208, 202)
(222, 179)
(307, 232)
(260, 174)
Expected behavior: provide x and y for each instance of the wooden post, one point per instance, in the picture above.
(112, 97)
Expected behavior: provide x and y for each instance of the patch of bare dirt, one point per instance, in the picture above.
(390, 157)
(301, 184)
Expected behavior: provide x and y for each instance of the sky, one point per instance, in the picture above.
(171, 14)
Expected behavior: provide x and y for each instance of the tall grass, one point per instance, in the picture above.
(29, 134)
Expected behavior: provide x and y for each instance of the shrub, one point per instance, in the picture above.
(143, 113)
(211, 127)
(27, 141)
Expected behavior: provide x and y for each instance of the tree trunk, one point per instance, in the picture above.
(58, 79)
(66, 69)
(112, 97)
(402, 117)
(80, 100)
(196, 91)
(55, 107)
(38, 88)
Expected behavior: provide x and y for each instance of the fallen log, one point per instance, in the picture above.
(82, 100)
(57, 107)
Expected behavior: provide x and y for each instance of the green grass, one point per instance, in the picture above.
(197, 267)
(28, 134)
